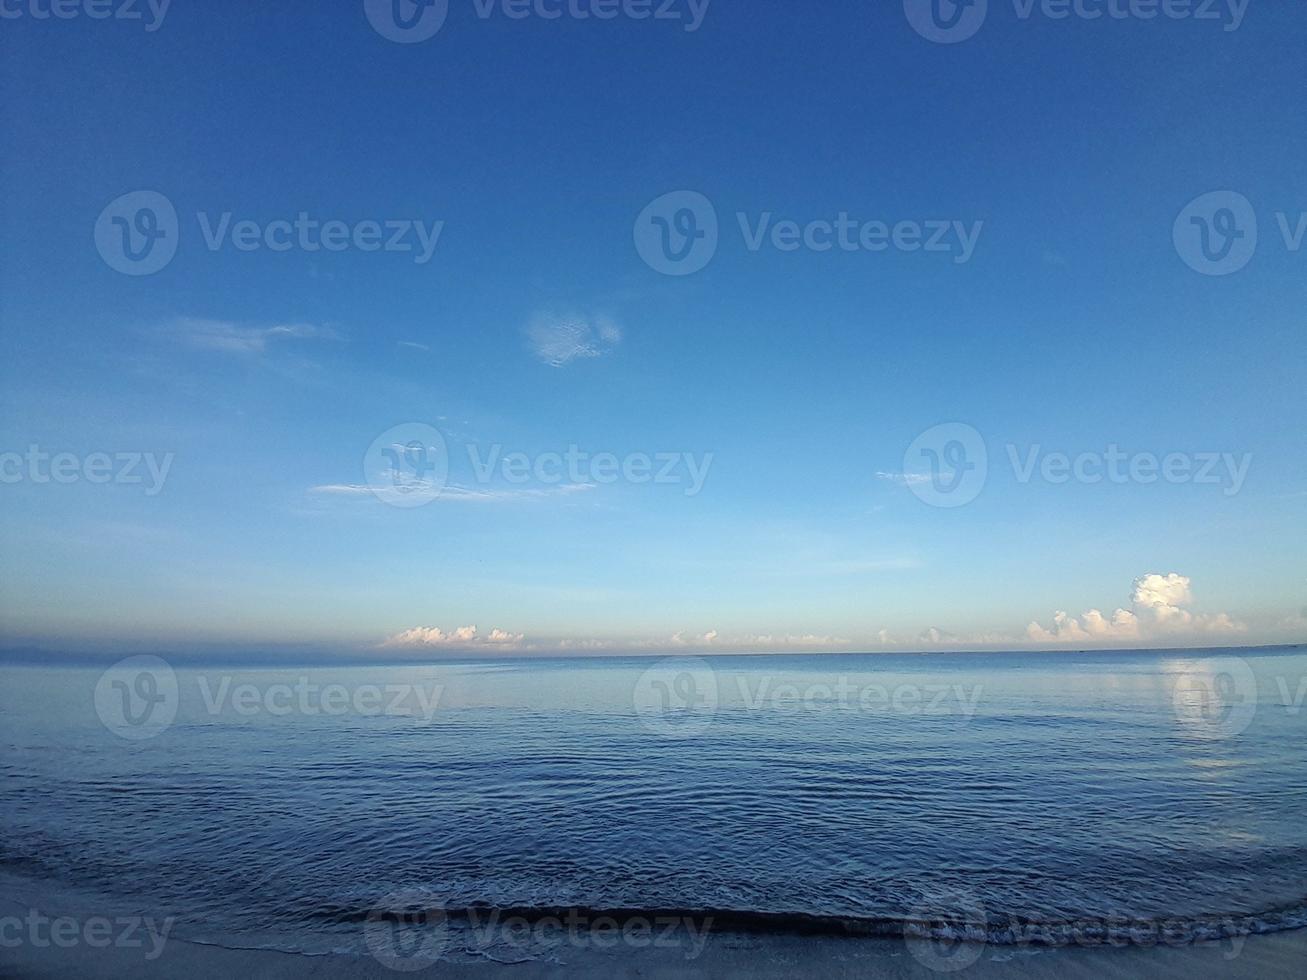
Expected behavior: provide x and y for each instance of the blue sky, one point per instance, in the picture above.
(795, 381)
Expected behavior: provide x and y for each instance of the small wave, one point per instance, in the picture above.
(965, 924)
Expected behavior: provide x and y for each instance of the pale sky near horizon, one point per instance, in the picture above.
(648, 438)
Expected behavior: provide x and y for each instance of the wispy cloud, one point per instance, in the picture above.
(904, 479)
(558, 340)
(473, 495)
(235, 338)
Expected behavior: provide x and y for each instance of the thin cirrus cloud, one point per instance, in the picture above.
(558, 339)
(904, 479)
(455, 493)
(236, 338)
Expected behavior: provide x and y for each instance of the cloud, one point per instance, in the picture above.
(468, 638)
(702, 640)
(713, 640)
(222, 335)
(1293, 625)
(1161, 591)
(1156, 611)
(558, 340)
(934, 637)
(462, 638)
(455, 493)
(904, 479)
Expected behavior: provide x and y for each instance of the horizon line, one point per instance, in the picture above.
(294, 656)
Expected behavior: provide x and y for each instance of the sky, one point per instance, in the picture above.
(750, 326)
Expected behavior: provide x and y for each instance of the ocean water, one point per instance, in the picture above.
(1008, 796)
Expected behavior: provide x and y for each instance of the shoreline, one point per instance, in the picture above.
(725, 953)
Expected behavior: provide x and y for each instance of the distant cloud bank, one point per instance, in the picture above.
(1157, 615)
(464, 637)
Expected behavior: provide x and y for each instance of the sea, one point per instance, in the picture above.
(511, 808)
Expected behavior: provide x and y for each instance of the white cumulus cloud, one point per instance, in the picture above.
(1157, 610)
